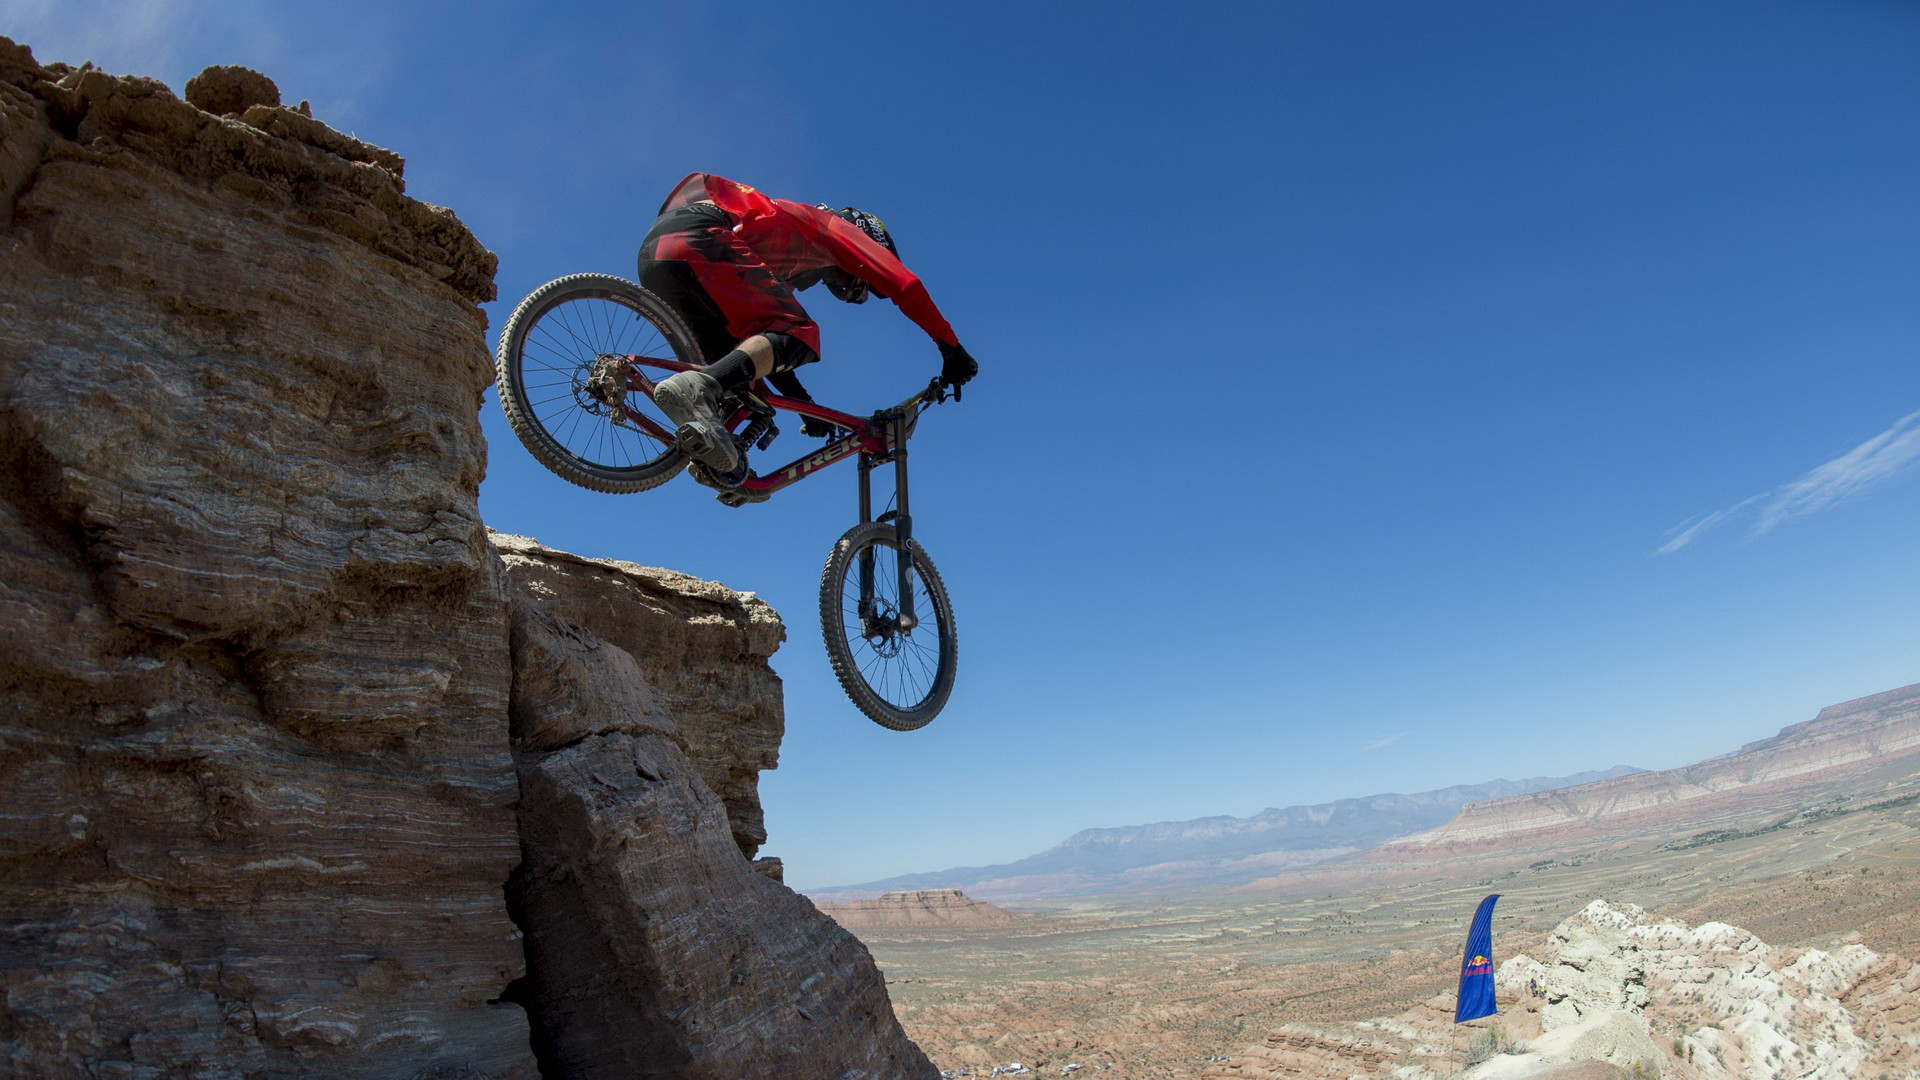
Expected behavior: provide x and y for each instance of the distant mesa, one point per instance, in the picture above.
(918, 908)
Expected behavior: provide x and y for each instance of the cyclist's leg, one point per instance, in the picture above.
(730, 295)
(771, 330)
(693, 400)
(677, 264)
(672, 280)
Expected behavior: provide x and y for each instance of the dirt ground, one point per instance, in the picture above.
(1169, 986)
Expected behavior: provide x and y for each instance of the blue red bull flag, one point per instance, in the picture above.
(1476, 968)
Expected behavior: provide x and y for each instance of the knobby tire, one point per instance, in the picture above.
(907, 689)
(547, 349)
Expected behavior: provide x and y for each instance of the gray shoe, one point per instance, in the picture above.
(691, 399)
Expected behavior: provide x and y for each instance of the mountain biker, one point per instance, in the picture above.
(729, 260)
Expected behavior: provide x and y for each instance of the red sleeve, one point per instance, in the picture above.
(856, 253)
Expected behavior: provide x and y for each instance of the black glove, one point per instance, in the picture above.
(956, 367)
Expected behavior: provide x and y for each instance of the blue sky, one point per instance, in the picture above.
(1374, 397)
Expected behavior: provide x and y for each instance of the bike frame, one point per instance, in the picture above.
(877, 439)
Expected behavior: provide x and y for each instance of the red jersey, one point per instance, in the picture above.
(794, 239)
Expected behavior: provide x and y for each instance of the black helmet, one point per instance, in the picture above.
(843, 285)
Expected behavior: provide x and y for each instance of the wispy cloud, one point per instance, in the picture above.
(1854, 473)
(172, 40)
(134, 37)
(1385, 740)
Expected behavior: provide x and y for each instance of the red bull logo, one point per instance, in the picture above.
(1478, 965)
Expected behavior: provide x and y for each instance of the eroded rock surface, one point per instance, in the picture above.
(655, 949)
(258, 803)
(702, 646)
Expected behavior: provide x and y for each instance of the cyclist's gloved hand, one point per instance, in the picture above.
(816, 427)
(956, 367)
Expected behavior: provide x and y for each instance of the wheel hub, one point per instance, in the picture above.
(601, 387)
(882, 630)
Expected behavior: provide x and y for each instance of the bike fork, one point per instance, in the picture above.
(903, 537)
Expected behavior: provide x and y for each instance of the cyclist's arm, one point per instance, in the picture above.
(856, 253)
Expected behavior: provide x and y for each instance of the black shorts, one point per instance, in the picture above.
(691, 259)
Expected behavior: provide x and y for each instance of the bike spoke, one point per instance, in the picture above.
(560, 354)
(904, 666)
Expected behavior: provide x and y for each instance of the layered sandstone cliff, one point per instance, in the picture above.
(654, 948)
(298, 775)
(1855, 739)
(702, 648)
(918, 908)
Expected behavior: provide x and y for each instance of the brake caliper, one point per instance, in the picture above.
(607, 384)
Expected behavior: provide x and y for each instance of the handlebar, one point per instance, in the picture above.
(934, 394)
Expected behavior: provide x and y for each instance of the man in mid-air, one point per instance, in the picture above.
(729, 260)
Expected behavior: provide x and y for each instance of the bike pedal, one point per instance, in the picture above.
(725, 483)
(738, 498)
(694, 441)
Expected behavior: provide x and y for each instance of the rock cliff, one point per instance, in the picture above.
(301, 774)
(702, 648)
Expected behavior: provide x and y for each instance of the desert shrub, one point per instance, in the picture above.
(1479, 1050)
(1485, 1045)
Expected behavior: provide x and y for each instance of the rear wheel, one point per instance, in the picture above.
(900, 677)
(564, 388)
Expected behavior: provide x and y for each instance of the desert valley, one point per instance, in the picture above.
(1748, 916)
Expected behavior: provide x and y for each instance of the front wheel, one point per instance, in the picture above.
(898, 675)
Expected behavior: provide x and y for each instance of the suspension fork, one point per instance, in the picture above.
(902, 531)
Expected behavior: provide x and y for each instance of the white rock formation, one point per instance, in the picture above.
(1711, 1001)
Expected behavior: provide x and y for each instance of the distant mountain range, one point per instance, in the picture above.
(1213, 851)
(1852, 756)
(1856, 756)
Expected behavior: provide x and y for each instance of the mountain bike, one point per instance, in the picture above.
(577, 364)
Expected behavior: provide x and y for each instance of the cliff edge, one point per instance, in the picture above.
(304, 772)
